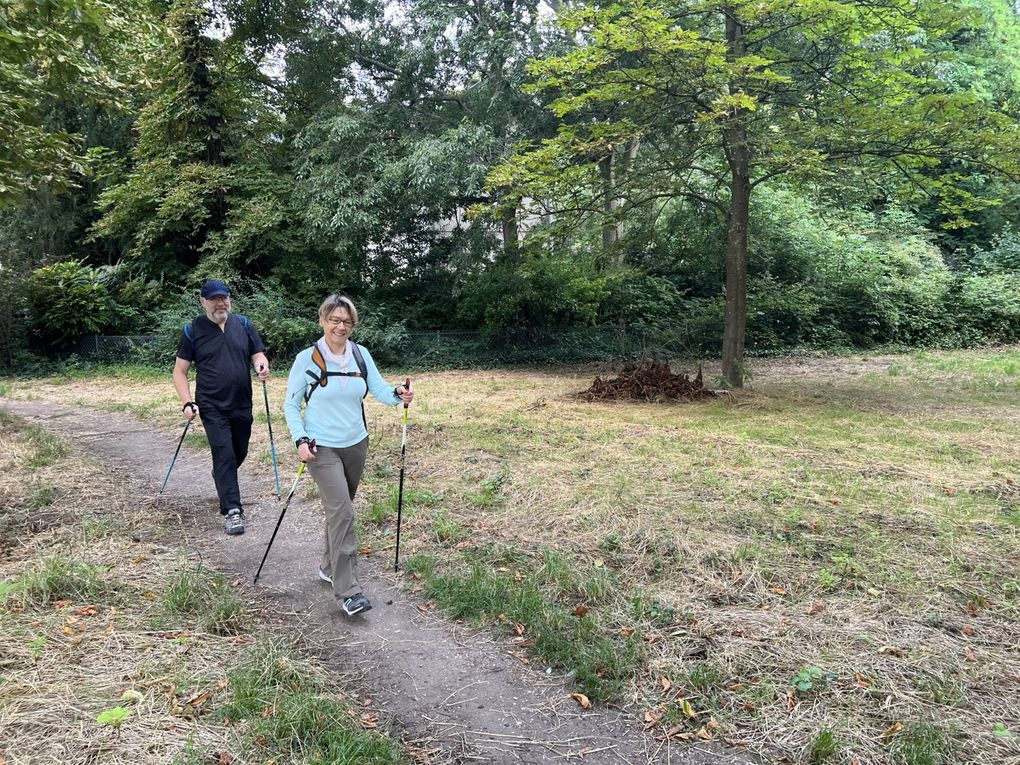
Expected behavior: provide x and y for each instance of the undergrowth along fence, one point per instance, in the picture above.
(441, 348)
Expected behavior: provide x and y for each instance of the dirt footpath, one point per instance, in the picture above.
(456, 695)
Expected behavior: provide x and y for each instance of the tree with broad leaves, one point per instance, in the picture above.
(726, 96)
(54, 52)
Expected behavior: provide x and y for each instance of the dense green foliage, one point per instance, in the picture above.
(508, 165)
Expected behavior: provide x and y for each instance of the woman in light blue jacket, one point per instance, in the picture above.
(330, 380)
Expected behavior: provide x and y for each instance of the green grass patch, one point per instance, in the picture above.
(206, 599)
(578, 641)
(288, 711)
(197, 439)
(42, 496)
(922, 743)
(381, 510)
(824, 747)
(62, 578)
(43, 447)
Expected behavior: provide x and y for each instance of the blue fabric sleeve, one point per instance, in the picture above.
(297, 382)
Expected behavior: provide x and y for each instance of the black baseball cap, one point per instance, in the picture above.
(214, 287)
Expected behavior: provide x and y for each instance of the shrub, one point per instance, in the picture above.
(986, 308)
(540, 291)
(67, 300)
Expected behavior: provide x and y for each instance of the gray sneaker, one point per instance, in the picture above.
(356, 604)
(325, 577)
(233, 521)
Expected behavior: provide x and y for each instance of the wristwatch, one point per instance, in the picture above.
(303, 440)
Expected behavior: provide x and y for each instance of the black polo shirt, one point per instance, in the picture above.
(222, 359)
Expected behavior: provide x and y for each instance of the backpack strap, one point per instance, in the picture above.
(360, 361)
(362, 367)
(320, 375)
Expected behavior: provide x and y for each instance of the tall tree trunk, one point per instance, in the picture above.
(511, 235)
(614, 168)
(739, 159)
(736, 258)
(611, 225)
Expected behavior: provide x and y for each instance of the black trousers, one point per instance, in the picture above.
(228, 432)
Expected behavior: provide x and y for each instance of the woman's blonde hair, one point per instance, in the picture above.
(334, 301)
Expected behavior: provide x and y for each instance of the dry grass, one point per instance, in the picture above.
(116, 650)
(849, 523)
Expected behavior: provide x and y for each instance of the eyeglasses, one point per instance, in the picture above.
(337, 322)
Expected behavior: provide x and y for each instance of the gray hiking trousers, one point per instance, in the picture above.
(337, 473)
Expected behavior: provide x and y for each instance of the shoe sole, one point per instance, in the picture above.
(361, 610)
(234, 532)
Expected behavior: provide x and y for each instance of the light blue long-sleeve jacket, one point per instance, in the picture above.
(333, 414)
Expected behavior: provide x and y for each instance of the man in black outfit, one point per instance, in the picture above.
(221, 345)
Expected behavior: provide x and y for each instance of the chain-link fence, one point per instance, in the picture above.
(117, 348)
(451, 348)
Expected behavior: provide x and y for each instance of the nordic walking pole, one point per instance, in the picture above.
(400, 491)
(286, 504)
(272, 446)
(187, 424)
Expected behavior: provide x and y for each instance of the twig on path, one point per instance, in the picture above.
(469, 685)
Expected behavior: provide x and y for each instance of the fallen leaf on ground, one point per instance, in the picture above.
(580, 610)
(892, 730)
(582, 700)
(626, 631)
(652, 717)
(652, 639)
(139, 559)
(677, 731)
(462, 545)
(666, 683)
(222, 758)
(87, 611)
(686, 708)
(370, 720)
(365, 550)
(814, 608)
(198, 699)
(969, 653)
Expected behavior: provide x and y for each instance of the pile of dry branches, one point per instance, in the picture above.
(648, 381)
